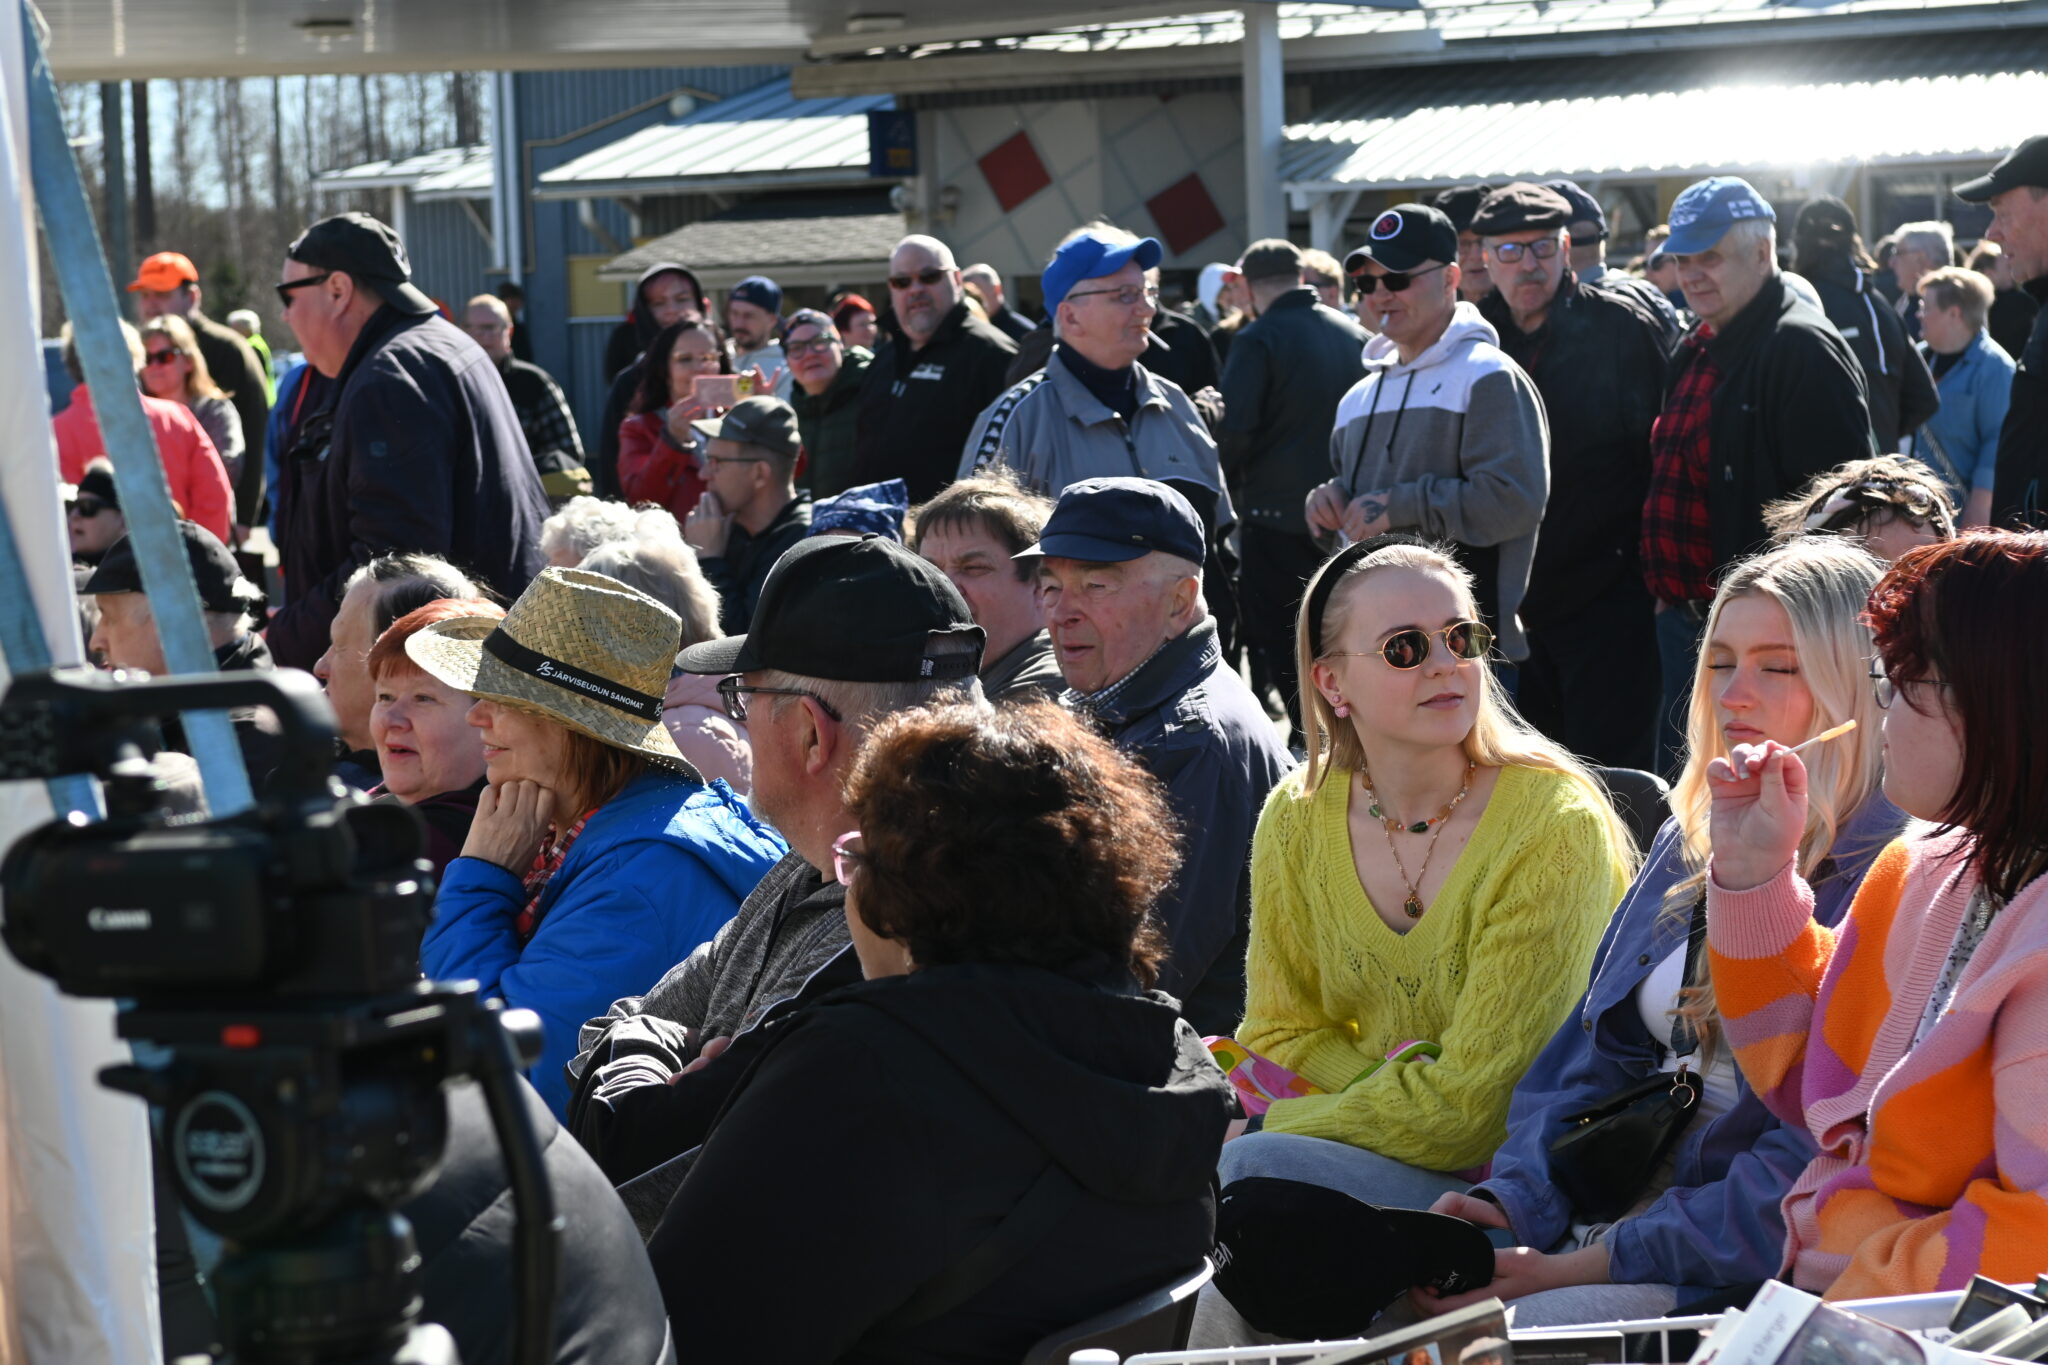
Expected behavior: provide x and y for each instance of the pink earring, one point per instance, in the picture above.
(1341, 707)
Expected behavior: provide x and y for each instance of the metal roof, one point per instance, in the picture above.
(765, 138)
(853, 244)
(1963, 98)
(444, 173)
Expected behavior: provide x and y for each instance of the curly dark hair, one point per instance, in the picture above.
(651, 394)
(1011, 835)
(1972, 613)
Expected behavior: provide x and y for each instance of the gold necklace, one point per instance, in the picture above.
(1412, 906)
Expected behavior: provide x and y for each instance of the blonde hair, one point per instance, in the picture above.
(1823, 584)
(199, 383)
(1499, 737)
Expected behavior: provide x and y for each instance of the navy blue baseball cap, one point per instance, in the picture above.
(760, 291)
(1705, 211)
(1109, 521)
(1090, 257)
(1404, 237)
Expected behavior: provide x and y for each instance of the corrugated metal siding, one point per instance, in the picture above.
(450, 259)
(552, 103)
(583, 378)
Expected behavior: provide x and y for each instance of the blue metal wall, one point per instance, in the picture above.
(451, 260)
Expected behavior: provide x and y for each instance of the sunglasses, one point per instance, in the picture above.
(734, 694)
(1406, 649)
(927, 278)
(847, 850)
(1507, 253)
(162, 357)
(284, 291)
(87, 507)
(1396, 281)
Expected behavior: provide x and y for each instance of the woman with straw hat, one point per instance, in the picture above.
(598, 858)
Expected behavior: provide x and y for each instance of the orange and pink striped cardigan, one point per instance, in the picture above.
(1933, 1159)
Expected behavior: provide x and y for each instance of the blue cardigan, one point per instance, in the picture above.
(1718, 1224)
(1974, 396)
(657, 870)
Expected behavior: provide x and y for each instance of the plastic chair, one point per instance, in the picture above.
(1642, 800)
(1158, 1321)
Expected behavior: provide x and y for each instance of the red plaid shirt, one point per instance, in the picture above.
(1678, 541)
(546, 863)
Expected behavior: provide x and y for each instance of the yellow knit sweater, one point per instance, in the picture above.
(1487, 974)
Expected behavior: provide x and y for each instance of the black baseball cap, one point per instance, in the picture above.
(1585, 208)
(1310, 1263)
(1460, 202)
(2027, 165)
(1110, 521)
(1520, 207)
(763, 420)
(98, 481)
(1404, 237)
(220, 581)
(850, 611)
(1272, 257)
(368, 252)
(1825, 222)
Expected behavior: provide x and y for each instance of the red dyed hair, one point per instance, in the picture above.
(1973, 613)
(388, 654)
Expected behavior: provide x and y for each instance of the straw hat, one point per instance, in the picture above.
(582, 649)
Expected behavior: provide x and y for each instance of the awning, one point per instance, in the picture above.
(444, 173)
(763, 139)
(1890, 102)
(825, 248)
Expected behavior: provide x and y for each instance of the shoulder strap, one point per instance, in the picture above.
(1027, 1225)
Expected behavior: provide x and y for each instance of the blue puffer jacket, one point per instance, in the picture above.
(657, 870)
(1718, 1224)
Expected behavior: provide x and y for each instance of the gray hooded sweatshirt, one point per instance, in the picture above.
(1458, 442)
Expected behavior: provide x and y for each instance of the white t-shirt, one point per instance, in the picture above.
(1657, 998)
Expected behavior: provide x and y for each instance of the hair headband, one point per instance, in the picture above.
(1340, 564)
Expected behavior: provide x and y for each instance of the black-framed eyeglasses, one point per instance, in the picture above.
(1884, 690)
(1507, 253)
(709, 458)
(1406, 649)
(1396, 281)
(817, 345)
(927, 278)
(734, 694)
(1126, 297)
(284, 291)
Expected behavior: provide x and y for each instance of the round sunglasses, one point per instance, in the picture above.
(1406, 649)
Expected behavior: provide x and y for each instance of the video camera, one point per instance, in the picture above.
(274, 954)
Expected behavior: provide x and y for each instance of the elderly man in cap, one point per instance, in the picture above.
(1120, 581)
(1287, 372)
(1597, 357)
(1762, 394)
(750, 512)
(848, 632)
(1589, 256)
(168, 285)
(936, 367)
(1094, 410)
(1445, 436)
(417, 446)
(1459, 204)
(2017, 190)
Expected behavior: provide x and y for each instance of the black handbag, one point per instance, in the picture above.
(1609, 1152)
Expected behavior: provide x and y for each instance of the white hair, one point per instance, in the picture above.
(245, 317)
(584, 523)
(665, 569)
(861, 704)
(1747, 232)
(1934, 240)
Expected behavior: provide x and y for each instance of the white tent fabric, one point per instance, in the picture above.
(77, 1229)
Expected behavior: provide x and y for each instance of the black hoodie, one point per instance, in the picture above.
(622, 352)
(889, 1130)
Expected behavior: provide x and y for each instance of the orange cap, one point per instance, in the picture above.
(164, 272)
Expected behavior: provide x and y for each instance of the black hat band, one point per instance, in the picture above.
(1340, 564)
(534, 664)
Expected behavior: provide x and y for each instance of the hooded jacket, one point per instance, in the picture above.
(1459, 443)
(950, 1092)
(629, 340)
(917, 405)
(417, 449)
(655, 872)
(828, 423)
(199, 482)
(1896, 382)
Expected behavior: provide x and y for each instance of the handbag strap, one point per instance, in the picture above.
(1027, 1225)
(1685, 1039)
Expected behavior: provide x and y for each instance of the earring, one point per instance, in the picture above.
(1341, 707)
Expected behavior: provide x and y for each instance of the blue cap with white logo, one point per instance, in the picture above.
(1090, 257)
(1705, 211)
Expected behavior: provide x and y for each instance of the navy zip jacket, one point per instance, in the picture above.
(1286, 374)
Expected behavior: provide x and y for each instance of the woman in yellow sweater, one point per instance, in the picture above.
(1427, 892)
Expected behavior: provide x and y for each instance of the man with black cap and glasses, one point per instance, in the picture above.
(750, 512)
(1597, 357)
(1120, 580)
(1445, 436)
(2017, 190)
(417, 448)
(847, 633)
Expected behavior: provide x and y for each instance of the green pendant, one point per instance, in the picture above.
(1419, 827)
(1375, 812)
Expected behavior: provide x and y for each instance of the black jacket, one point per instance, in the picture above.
(1789, 405)
(739, 573)
(232, 362)
(608, 1310)
(1896, 383)
(1180, 351)
(917, 406)
(1598, 360)
(1187, 716)
(2012, 319)
(1010, 322)
(1286, 373)
(889, 1129)
(418, 449)
(2020, 499)
(622, 352)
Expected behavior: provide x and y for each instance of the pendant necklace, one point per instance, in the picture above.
(1413, 905)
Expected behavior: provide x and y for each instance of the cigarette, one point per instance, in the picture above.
(1824, 736)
